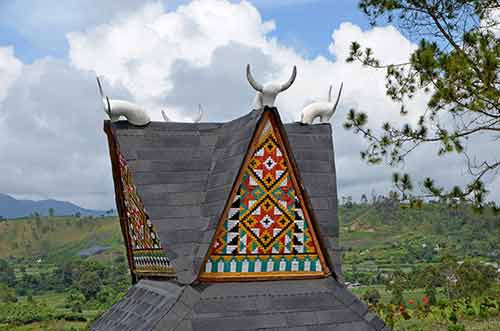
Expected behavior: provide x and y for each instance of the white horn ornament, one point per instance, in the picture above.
(266, 94)
(323, 110)
(115, 108)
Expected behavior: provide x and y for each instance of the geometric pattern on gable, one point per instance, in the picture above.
(265, 231)
(148, 255)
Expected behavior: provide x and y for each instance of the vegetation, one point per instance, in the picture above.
(55, 239)
(458, 62)
(432, 268)
(46, 282)
(419, 269)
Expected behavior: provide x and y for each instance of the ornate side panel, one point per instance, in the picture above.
(147, 252)
(265, 231)
(146, 256)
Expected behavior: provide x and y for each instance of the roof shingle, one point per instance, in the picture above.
(184, 174)
(319, 304)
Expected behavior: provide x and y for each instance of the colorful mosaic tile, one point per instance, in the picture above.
(265, 230)
(147, 252)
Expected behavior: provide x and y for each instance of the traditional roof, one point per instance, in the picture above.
(266, 230)
(184, 175)
(317, 304)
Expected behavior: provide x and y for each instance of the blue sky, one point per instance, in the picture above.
(305, 25)
(162, 56)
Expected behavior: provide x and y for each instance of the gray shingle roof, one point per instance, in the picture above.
(141, 308)
(320, 304)
(184, 173)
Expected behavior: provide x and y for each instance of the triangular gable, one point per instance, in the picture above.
(266, 230)
(145, 253)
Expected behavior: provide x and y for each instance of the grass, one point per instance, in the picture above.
(492, 324)
(58, 239)
(49, 325)
(374, 240)
(57, 301)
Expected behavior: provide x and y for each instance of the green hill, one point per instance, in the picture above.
(59, 239)
(385, 236)
(59, 273)
(382, 234)
(62, 272)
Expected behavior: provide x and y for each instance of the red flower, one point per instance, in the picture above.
(411, 302)
(425, 300)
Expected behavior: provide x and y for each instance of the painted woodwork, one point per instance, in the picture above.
(147, 252)
(265, 231)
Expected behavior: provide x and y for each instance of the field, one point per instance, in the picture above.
(58, 239)
(44, 265)
(60, 273)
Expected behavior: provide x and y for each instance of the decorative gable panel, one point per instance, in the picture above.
(266, 230)
(147, 252)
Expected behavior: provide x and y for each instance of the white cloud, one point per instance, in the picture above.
(10, 68)
(44, 23)
(51, 136)
(140, 48)
(281, 3)
(492, 22)
(177, 59)
(192, 58)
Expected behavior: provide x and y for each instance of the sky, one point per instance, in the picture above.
(173, 55)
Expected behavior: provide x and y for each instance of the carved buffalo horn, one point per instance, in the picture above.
(105, 100)
(253, 82)
(338, 96)
(200, 114)
(164, 115)
(323, 110)
(115, 108)
(99, 86)
(290, 81)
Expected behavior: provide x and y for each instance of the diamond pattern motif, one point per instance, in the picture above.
(147, 251)
(265, 229)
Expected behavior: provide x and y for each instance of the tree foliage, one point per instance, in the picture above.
(372, 296)
(457, 61)
(396, 285)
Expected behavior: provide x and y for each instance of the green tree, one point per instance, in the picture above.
(430, 278)
(89, 284)
(473, 279)
(372, 296)
(75, 300)
(76, 307)
(105, 295)
(51, 212)
(458, 62)
(397, 285)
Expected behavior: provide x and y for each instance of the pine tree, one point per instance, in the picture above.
(458, 62)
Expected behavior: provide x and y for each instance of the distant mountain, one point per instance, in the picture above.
(13, 208)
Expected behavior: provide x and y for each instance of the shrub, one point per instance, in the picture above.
(473, 279)
(456, 327)
(371, 296)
